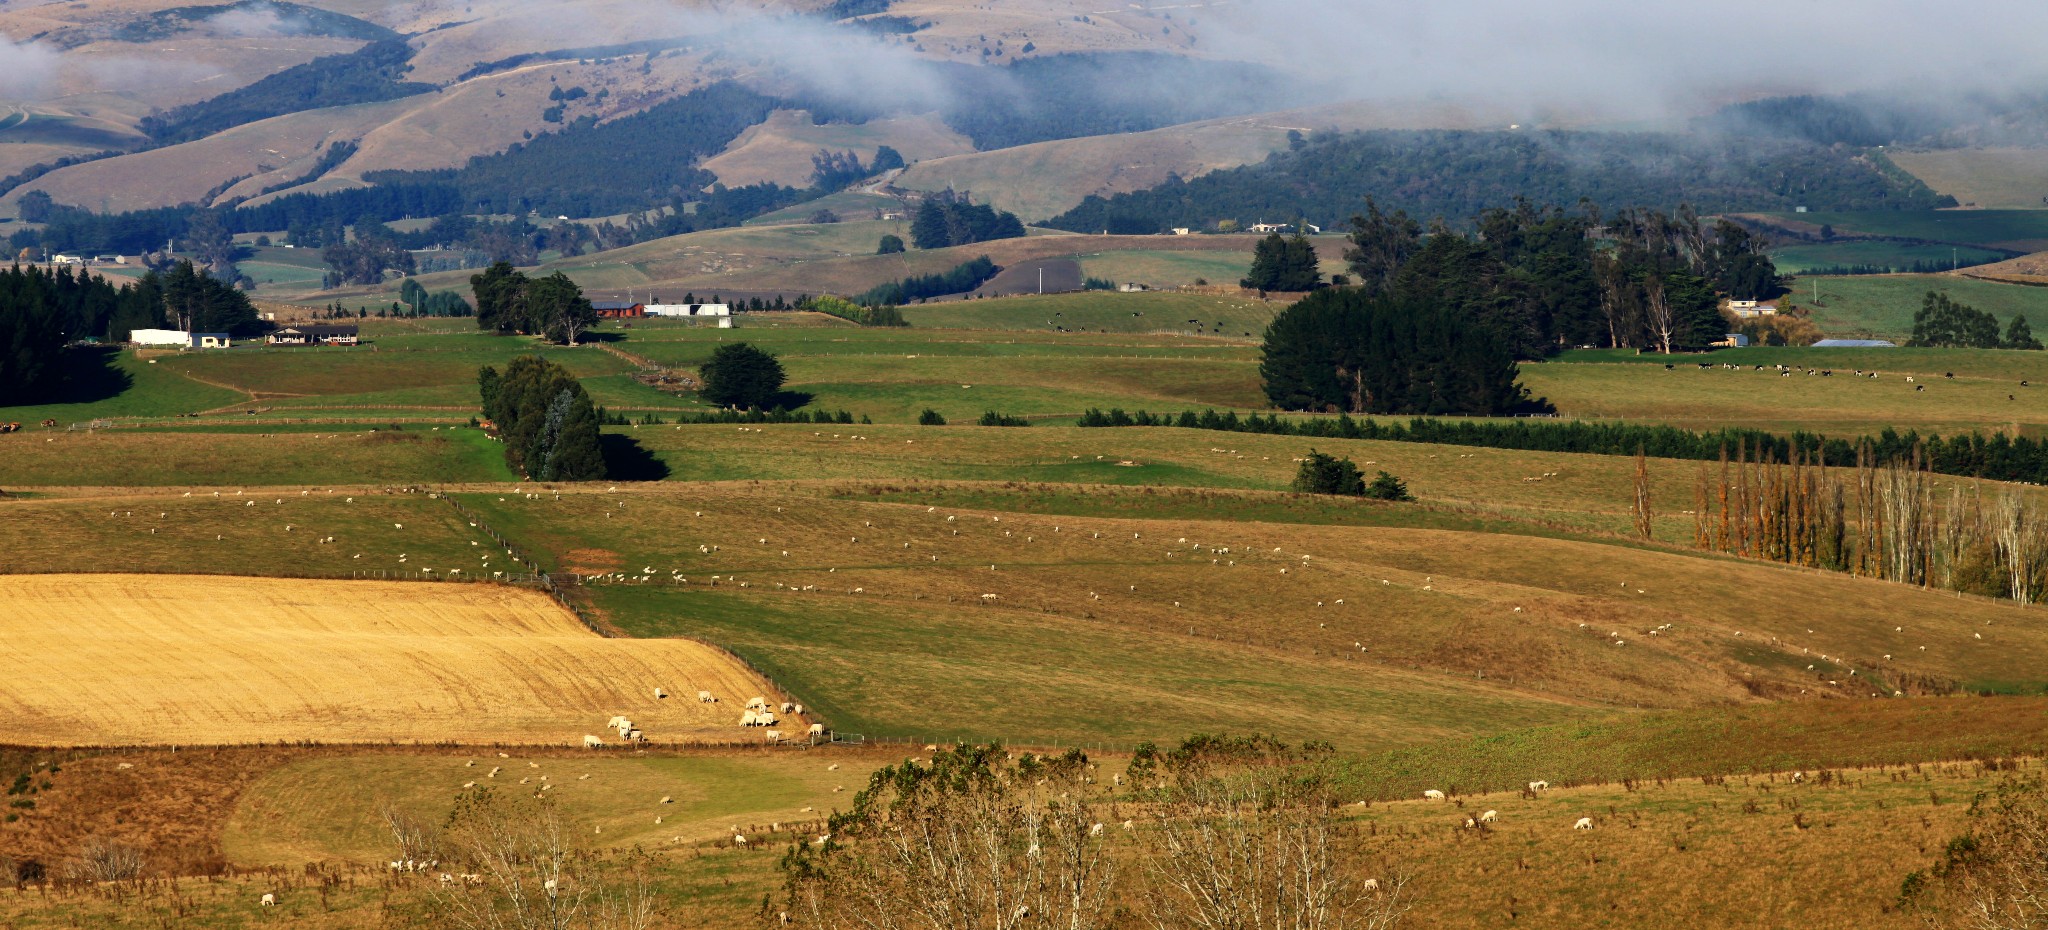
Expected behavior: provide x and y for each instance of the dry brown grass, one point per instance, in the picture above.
(122, 659)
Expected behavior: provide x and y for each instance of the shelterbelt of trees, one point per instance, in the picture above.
(43, 311)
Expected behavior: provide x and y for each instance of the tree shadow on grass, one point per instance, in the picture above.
(791, 400)
(626, 460)
(89, 374)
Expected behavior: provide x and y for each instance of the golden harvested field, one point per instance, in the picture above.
(136, 660)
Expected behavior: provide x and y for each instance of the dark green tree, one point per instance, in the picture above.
(1280, 264)
(545, 419)
(1386, 487)
(1943, 322)
(500, 304)
(557, 308)
(1343, 350)
(1380, 245)
(1321, 473)
(741, 376)
(2019, 334)
(928, 228)
(891, 244)
(886, 159)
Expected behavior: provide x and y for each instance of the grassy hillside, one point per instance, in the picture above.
(1989, 178)
(1126, 613)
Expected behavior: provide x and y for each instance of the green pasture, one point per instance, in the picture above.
(254, 456)
(945, 672)
(1105, 311)
(1136, 610)
(1882, 306)
(2014, 229)
(1804, 257)
(1167, 269)
(1838, 405)
(242, 532)
(115, 383)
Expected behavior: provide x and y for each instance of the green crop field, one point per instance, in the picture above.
(1882, 306)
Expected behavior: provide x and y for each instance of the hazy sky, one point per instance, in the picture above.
(1646, 56)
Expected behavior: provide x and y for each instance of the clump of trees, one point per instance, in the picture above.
(510, 302)
(865, 315)
(958, 280)
(891, 244)
(742, 377)
(1218, 832)
(1536, 277)
(1322, 473)
(545, 419)
(423, 302)
(945, 220)
(1865, 518)
(1345, 350)
(1944, 322)
(1282, 264)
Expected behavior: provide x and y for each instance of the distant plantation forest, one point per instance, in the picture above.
(592, 169)
(366, 75)
(1459, 174)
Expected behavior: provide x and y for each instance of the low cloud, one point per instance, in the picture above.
(28, 70)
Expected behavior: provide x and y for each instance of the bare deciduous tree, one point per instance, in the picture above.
(1246, 836)
(530, 876)
(1996, 876)
(974, 839)
(107, 862)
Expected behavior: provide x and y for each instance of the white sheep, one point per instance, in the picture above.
(757, 703)
(799, 710)
(1370, 884)
(592, 742)
(635, 736)
(268, 900)
(774, 736)
(765, 718)
(704, 697)
(817, 729)
(786, 706)
(739, 840)
(1585, 823)
(660, 694)
(1538, 785)
(1433, 795)
(617, 721)
(747, 719)
(1489, 817)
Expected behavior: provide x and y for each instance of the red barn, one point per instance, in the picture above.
(618, 309)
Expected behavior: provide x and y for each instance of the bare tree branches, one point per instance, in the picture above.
(528, 875)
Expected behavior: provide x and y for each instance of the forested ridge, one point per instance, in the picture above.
(596, 169)
(366, 75)
(1457, 174)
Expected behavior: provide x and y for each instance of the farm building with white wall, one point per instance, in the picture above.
(678, 310)
(160, 337)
